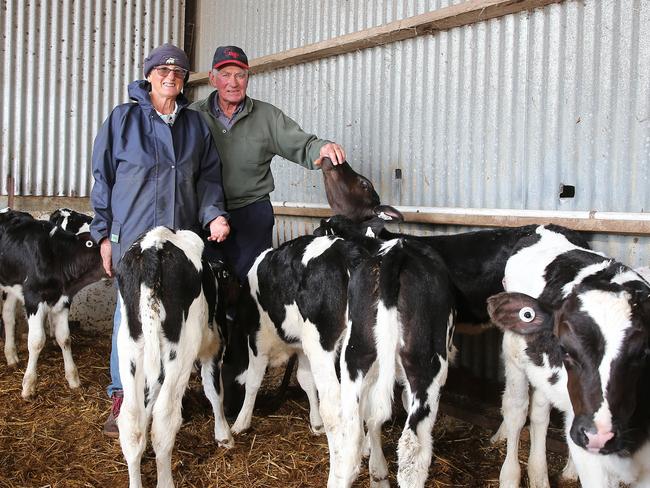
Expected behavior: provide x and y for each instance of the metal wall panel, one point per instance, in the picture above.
(66, 64)
(497, 114)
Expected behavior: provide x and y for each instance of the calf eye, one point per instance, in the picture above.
(527, 314)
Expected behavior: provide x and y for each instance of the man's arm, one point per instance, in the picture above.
(296, 145)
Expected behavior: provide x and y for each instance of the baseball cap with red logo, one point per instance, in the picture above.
(229, 55)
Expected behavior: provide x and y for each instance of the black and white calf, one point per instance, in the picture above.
(168, 298)
(43, 267)
(577, 327)
(475, 260)
(401, 316)
(64, 218)
(296, 302)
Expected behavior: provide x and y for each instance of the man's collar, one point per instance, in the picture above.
(218, 110)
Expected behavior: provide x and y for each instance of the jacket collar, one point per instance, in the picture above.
(139, 92)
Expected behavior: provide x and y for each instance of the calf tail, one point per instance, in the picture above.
(152, 314)
(387, 334)
(139, 280)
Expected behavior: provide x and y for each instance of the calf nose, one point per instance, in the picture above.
(598, 440)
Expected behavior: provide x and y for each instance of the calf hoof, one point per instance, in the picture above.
(29, 389)
(317, 429)
(238, 428)
(499, 436)
(226, 443)
(538, 481)
(11, 356)
(12, 362)
(379, 482)
(73, 380)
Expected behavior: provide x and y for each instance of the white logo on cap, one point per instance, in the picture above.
(170, 61)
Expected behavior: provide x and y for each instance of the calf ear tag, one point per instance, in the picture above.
(89, 243)
(527, 314)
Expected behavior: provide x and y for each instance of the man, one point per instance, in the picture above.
(154, 163)
(248, 133)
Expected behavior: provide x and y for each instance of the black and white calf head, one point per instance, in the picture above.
(353, 195)
(601, 336)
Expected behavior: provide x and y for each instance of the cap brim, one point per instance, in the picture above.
(230, 61)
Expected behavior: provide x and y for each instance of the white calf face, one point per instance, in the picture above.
(604, 343)
(601, 335)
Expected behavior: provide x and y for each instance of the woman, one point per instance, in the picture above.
(154, 163)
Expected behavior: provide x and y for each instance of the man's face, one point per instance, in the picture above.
(231, 83)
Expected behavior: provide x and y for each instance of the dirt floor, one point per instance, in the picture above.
(56, 440)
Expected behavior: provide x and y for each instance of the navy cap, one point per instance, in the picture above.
(229, 55)
(166, 54)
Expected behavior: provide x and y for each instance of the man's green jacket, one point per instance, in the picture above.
(260, 131)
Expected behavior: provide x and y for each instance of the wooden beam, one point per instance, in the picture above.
(446, 18)
(600, 222)
(637, 224)
(601, 226)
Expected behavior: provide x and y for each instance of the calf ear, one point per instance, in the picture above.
(388, 213)
(321, 230)
(518, 313)
(641, 303)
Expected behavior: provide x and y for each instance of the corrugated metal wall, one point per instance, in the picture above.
(66, 64)
(497, 114)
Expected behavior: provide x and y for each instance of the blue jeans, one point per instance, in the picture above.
(116, 382)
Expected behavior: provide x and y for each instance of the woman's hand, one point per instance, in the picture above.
(219, 229)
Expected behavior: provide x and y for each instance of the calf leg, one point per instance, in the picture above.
(324, 372)
(306, 381)
(415, 446)
(352, 436)
(377, 466)
(133, 419)
(514, 409)
(167, 420)
(35, 343)
(377, 409)
(254, 376)
(569, 472)
(539, 417)
(59, 320)
(212, 386)
(9, 318)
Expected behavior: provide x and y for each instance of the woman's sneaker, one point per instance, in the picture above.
(110, 427)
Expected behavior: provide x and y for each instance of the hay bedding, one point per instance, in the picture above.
(56, 439)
